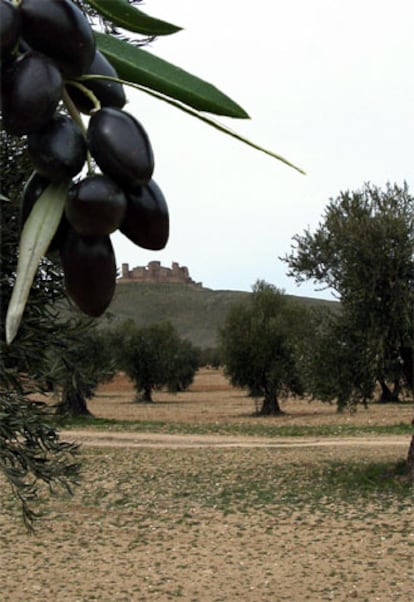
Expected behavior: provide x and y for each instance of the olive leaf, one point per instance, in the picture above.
(123, 14)
(141, 67)
(204, 118)
(38, 231)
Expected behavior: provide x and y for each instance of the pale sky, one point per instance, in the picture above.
(328, 84)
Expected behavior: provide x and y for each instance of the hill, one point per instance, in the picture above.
(195, 312)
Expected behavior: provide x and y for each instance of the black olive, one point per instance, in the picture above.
(34, 187)
(31, 90)
(109, 93)
(10, 26)
(146, 221)
(89, 268)
(59, 29)
(58, 150)
(95, 206)
(121, 147)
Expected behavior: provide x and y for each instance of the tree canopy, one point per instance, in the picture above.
(31, 451)
(258, 346)
(155, 356)
(363, 249)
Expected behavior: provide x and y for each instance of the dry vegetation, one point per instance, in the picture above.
(206, 522)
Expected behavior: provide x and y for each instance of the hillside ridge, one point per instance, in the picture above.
(195, 311)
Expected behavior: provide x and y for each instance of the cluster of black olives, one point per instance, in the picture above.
(46, 46)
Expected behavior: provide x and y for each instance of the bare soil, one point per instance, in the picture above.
(215, 518)
(211, 399)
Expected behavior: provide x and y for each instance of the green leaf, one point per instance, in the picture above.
(204, 118)
(140, 67)
(123, 14)
(35, 238)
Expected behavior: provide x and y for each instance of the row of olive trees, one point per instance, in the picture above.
(276, 347)
(364, 251)
(153, 357)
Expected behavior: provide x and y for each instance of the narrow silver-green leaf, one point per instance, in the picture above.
(141, 67)
(125, 15)
(35, 238)
(204, 118)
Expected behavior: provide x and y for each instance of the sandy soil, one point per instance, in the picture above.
(211, 518)
(93, 438)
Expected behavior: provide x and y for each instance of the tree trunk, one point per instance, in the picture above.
(388, 396)
(407, 356)
(72, 404)
(270, 406)
(410, 456)
(146, 396)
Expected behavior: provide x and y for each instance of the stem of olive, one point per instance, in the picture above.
(76, 116)
(88, 93)
(73, 111)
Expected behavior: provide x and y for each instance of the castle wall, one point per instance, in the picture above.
(155, 272)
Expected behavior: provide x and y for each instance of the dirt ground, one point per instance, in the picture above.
(214, 518)
(211, 399)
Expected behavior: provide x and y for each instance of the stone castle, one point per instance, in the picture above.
(155, 272)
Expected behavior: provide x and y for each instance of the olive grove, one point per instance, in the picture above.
(65, 66)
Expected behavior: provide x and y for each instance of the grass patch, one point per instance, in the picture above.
(280, 482)
(254, 429)
(362, 479)
(330, 484)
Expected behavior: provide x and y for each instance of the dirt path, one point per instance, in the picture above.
(93, 438)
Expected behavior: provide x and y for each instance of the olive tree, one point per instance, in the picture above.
(32, 453)
(83, 361)
(337, 363)
(364, 250)
(258, 346)
(210, 357)
(184, 364)
(155, 356)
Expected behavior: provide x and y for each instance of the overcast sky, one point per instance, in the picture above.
(328, 84)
